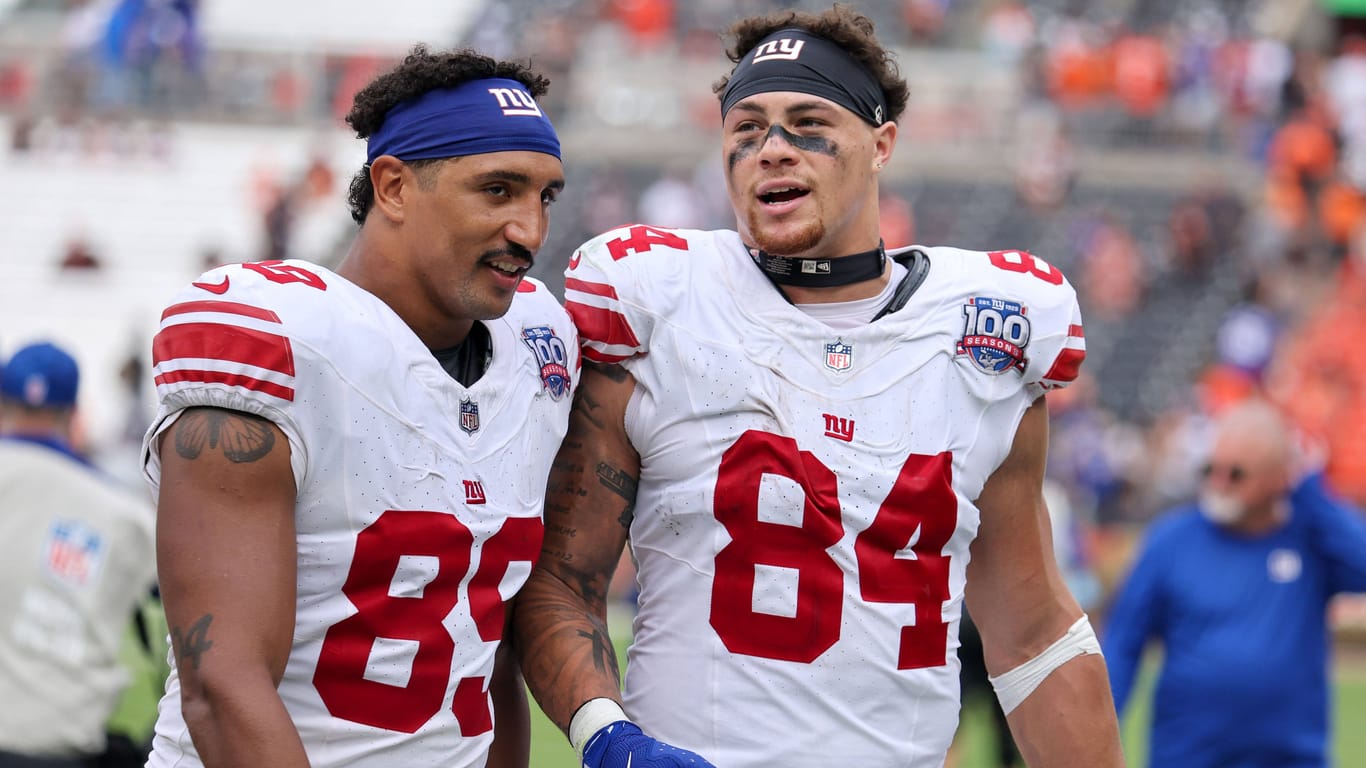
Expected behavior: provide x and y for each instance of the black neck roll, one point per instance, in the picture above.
(822, 273)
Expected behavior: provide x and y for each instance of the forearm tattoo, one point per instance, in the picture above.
(242, 437)
(604, 655)
(191, 646)
(623, 485)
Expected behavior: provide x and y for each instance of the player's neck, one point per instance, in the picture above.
(837, 293)
(836, 274)
(369, 267)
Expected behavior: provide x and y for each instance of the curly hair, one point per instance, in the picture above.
(419, 72)
(842, 26)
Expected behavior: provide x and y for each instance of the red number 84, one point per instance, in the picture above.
(921, 500)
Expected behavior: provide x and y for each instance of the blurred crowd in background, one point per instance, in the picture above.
(1196, 167)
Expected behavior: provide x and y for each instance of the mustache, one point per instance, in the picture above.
(511, 250)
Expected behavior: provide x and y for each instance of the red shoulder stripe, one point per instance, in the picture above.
(1066, 366)
(602, 357)
(230, 307)
(230, 343)
(596, 289)
(231, 379)
(602, 326)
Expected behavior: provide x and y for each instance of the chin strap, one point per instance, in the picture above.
(821, 273)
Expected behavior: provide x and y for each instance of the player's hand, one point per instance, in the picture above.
(622, 745)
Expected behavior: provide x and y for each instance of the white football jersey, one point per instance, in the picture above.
(419, 500)
(805, 498)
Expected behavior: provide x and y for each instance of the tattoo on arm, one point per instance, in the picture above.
(242, 437)
(623, 485)
(194, 644)
(612, 371)
(604, 655)
(584, 405)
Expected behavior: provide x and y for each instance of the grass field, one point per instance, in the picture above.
(1349, 710)
(550, 749)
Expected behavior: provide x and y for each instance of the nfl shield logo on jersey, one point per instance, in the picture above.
(839, 356)
(995, 335)
(552, 357)
(469, 416)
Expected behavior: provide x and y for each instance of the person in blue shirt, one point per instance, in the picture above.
(1236, 589)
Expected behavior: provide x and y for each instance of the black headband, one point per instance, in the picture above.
(794, 60)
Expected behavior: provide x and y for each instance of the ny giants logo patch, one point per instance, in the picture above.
(995, 335)
(474, 492)
(552, 356)
(839, 427)
(786, 49)
(515, 102)
(469, 415)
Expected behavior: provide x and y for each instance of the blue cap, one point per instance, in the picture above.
(41, 376)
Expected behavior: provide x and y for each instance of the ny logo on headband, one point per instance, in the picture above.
(515, 102)
(786, 48)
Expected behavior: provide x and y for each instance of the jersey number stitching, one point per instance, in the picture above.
(899, 555)
(641, 239)
(340, 677)
(279, 272)
(1026, 263)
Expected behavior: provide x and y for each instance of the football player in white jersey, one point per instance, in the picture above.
(351, 465)
(819, 450)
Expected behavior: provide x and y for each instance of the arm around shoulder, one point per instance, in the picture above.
(560, 618)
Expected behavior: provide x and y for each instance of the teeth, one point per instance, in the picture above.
(504, 266)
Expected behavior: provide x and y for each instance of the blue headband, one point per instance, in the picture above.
(794, 60)
(488, 115)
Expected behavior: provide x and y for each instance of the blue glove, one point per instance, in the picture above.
(622, 745)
